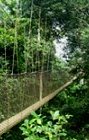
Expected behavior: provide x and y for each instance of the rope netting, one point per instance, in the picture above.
(18, 92)
(26, 73)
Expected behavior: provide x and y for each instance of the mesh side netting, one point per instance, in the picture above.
(54, 80)
(19, 92)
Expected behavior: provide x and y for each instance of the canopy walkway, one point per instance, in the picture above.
(24, 93)
(26, 46)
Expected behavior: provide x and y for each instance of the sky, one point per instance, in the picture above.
(59, 46)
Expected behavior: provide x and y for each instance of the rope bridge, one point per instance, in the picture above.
(22, 94)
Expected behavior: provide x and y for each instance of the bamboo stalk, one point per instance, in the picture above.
(39, 26)
(13, 60)
(39, 38)
(30, 33)
(16, 34)
(15, 48)
(5, 44)
(29, 36)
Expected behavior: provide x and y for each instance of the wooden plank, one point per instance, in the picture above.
(8, 124)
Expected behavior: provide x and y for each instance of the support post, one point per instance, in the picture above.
(41, 89)
(41, 86)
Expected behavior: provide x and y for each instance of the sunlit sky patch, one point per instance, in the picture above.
(59, 46)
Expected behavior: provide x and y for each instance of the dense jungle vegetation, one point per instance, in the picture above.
(27, 31)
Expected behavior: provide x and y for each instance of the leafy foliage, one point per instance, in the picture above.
(42, 128)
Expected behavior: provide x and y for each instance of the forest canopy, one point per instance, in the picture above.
(28, 29)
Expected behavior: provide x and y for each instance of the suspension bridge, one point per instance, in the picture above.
(24, 93)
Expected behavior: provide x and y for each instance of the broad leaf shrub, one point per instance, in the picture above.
(45, 128)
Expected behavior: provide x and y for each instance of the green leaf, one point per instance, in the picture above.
(34, 114)
(39, 121)
(55, 115)
(63, 134)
